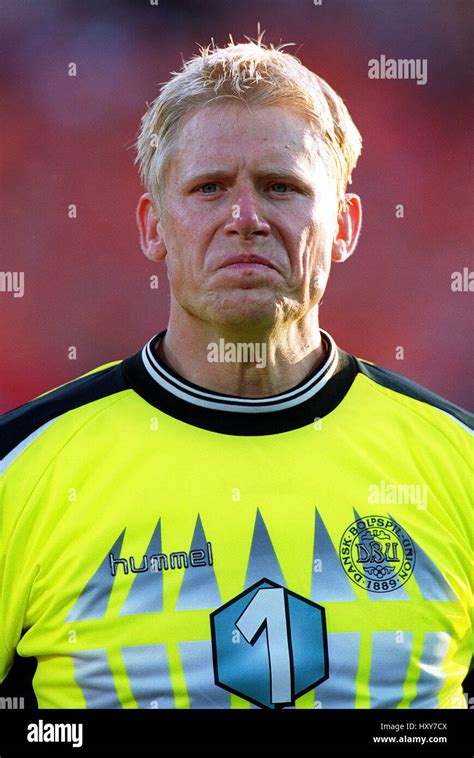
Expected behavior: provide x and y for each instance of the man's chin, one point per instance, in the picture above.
(245, 307)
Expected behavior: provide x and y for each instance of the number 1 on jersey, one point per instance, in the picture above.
(267, 611)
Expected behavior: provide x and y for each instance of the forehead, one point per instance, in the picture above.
(231, 133)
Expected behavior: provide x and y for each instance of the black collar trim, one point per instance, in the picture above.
(203, 398)
(313, 398)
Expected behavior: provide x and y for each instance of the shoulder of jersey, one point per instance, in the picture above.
(32, 417)
(406, 387)
(19, 424)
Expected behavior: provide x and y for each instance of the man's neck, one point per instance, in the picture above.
(233, 361)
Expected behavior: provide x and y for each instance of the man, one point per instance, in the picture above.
(241, 514)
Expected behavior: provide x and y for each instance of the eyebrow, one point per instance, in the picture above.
(272, 172)
(200, 176)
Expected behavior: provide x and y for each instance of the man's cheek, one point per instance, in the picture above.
(318, 276)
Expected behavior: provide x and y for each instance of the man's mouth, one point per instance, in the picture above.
(249, 260)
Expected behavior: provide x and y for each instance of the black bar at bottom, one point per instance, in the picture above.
(372, 732)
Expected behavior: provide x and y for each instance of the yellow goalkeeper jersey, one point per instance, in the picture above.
(167, 546)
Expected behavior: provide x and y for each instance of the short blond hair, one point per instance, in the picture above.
(255, 74)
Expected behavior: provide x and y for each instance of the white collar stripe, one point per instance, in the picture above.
(172, 380)
(180, 384)
(215, 401)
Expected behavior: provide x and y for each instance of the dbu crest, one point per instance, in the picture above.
(377, 554)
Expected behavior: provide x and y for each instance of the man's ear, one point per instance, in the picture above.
(349, 223)
(149, 227)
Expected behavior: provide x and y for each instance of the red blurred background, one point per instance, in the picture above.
(69, 140)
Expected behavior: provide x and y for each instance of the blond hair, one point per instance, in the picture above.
(256, 75)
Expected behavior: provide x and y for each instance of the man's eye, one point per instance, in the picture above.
(280, 187)
(208, 189)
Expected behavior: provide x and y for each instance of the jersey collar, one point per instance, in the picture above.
(314, 397)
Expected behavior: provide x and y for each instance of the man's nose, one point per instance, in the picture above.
(246, 219)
